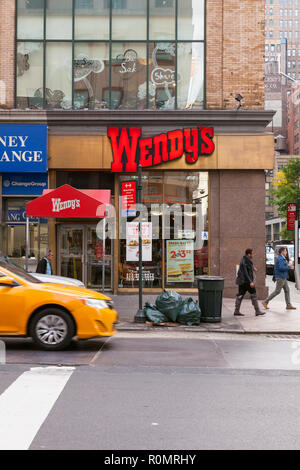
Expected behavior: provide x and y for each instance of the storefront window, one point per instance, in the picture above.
(129, 73)
(175, 216)
(30, 75)
(130, 22)
(91, 20)
(30, 19)
(59, 19)
(142, 54)
(152, 239)
(86, 179)
(91, 75)
(190, 83)
(14, 234)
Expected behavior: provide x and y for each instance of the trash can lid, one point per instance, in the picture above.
(210, 278)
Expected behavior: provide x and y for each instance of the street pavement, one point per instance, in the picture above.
(156, 390)
(276, 320)
(159, 388)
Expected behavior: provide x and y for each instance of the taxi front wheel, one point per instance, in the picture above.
(52, 329)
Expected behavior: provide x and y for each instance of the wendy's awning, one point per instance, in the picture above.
(67, 201)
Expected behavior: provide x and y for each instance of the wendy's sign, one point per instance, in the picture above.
(129, 148)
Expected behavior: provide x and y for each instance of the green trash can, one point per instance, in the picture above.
(210, 292)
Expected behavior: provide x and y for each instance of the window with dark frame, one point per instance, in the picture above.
(67, 67)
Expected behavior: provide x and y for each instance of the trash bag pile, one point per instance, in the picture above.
(170, 307)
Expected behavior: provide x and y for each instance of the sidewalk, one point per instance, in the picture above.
(276, 320)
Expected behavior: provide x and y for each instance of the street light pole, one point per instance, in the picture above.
(140, 315)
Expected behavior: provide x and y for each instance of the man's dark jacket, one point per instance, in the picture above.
(245, 273)
(42, 266)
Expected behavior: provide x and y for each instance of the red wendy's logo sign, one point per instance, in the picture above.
(129, 148)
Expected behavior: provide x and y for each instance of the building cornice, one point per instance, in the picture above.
(90, 121)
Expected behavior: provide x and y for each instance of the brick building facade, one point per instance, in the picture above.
(233, 64)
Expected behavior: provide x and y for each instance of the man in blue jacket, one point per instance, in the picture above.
(280, 276)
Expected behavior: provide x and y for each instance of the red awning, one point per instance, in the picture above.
(67, 201)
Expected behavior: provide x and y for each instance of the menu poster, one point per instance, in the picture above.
(132, 241)
(180, 261)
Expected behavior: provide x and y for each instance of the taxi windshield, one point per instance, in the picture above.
(19, 272)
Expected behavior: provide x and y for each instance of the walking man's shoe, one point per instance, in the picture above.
(265, 305)
(259, 313)
(239, 314)
(290, 307)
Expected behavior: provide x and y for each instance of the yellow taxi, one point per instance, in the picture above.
(51, 314)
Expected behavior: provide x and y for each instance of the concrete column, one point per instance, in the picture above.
(7, 53)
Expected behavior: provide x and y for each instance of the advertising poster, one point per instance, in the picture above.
(132, 241)
(180, 261)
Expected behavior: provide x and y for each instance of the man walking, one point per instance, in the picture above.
(44, 265)
(245, 281)
(280, 276)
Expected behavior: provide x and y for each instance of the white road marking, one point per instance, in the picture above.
(25, 405)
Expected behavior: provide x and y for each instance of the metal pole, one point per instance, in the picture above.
(140, 316)
(103, 255)
(296, 256)
(27, 244)
(39, 238)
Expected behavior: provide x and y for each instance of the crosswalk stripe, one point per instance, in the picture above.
(25, 405)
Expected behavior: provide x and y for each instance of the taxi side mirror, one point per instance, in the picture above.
(7, 281)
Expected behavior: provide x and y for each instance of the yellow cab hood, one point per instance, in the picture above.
(71, 290)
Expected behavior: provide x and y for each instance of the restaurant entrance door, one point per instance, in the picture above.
(81, 256)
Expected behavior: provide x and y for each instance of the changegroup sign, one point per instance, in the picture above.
(24, 183)
(23, 148)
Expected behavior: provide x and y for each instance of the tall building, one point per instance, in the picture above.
(175, 84)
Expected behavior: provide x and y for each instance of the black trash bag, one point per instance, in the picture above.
(190, 313)
(154, 315)
(169, 303)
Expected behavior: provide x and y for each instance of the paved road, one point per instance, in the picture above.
(160, 390)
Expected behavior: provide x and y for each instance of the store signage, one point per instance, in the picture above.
(128, 198)
(291, 216)
(58, 205)
(180, 261)
(129, 148)
(24, 183)
(67, 201)
(19, 216)
(23, 148)
(132, 241)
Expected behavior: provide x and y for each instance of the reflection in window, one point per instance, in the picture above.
(59, 76)
(162, 76)
(107, 70)
(91, 75)
(190, 78)
(30, 75)
(129, 74)
(91, 20)
(30, 19)
(59, 19)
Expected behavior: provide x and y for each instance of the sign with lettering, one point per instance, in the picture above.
(23, 148)
(128, 198)
(291, 216)
(129, 148)
(24, 183)
(180, 261)
(132, 241)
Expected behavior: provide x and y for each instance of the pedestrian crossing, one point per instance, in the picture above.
(26, 403)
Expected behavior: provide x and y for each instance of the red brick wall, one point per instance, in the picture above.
(7, 53)
(235, 53)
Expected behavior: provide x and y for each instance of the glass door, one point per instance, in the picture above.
(99, 268)
(71, 252)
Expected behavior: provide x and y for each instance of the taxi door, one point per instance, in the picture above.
(12, 314)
